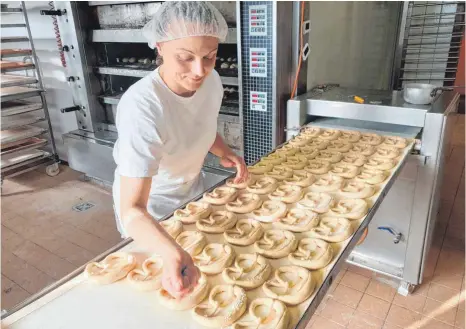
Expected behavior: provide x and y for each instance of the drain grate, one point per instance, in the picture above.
(80, 207)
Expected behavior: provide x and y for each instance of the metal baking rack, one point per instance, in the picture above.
(23, 146)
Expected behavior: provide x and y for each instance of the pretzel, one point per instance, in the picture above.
(270, 211)
(318, 167)
(246, 232)
(300, 178)
(149, 277)
(395, 141)
(332, 229)
(380, 164)
(344, 170)
(312, 253)
(348, 136)
(188, 301)
(339, 146)
(173, 227)
(273, 314)
(371, 139)
(287, 193)
(329, 156)
(260, 168)
(349, 208)
(371, 177)
(244, 203)
(353, 159)
(327, 183)
(113, 268)
(263, 185)
(280, 172)
(249, 271)
(318, 202)
(276, 244)
(221, 195)
(354, 189)
(298, 220)
(329, 134)
(191, 241)
(218, 222)
(193, 212)
(214, 258)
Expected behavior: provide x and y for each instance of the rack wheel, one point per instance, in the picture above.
(52, 170)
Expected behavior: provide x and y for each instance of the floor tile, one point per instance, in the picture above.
(355, 281)
(347, 296)
(460, 319)
(428, 323)
(443, 294)
(337, 312)
(381, 290)
(402, 317)
(362, 320)
(323, 323)
(411, 302)
(440, 311)
(374, 306)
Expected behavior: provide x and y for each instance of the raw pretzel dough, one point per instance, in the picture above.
(371, 139)
(265, 313)
(287, 193)
(193, 212)
(114, 267)
(270, 211)
(372, 177)
(173, 227)
(332, 229)
(318, 202)
(349, 208)
(260, 168)
(330, 156)
(318, 144)
(218, 222)
(280, 172)
(246, 232)
(191, 241)
(318, 167)
(295, 162)
(344, 170)
(190, 300)
(309, 152)
(244, 203)
(339, 146)
(354, 189)
(353, 159)
(329, 134)
(274, 159)
(149, 277)
(214, 258)
(287, 150)
(263, 185)
(386, 152)
(249, 271)
(291, 285)
(348, 136)
(276, 244)
(363, 149)
(380, 164)
(230, 183)
(327, 183)
(395, 141)
(298, 220)
(300, 140)
(221, 195)
(225, 305)
(310, 131)
(312, 253)
(300, 178)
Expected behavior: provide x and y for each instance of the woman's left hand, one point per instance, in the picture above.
(232, 160)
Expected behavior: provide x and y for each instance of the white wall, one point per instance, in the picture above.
(58, 93)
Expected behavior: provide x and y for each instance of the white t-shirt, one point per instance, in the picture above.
(166, 137)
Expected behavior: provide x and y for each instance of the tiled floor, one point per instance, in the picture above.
(360, 299)
(43, 239)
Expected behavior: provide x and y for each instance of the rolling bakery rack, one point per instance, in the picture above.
(24, 143)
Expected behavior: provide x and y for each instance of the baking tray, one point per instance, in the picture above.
(14, 93)
(141, 310)
(4, 53)
(28, 144)
(21, 120)
(7, 80)
(19, 107)
(9, 137)
(13, 160)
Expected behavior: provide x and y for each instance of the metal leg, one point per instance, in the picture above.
(52, 170)
(406, 288)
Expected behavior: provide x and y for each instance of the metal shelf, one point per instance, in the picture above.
(5, 26)
(12, 137)
(17, 122)
(26, 66)
(135, 36)
(14, 93)
(46, 160)
(5, 53)
(14, 161)
(19, 107)
(141, 73)
(15, 80)
(30, 144)
(111, 99)
(14, 39)
(11, 10)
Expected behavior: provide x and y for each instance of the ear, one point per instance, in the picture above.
(159, 48)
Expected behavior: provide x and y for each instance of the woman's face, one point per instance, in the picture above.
(188, 61)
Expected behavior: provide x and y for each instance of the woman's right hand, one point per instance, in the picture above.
(180, 275)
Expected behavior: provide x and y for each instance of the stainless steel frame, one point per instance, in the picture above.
(411, 206)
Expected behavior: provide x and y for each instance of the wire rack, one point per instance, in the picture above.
(431, 42)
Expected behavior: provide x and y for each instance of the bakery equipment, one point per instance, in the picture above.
(25, 121)
(106, 53)
(421, 93)
(400, 234)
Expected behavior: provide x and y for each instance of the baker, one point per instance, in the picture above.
(167, 123)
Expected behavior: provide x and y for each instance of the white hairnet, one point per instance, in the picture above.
(182, 19)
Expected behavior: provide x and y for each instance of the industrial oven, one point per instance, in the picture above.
(400, 234)
(106, 53)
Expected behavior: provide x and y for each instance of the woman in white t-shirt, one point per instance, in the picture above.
(167, 123)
